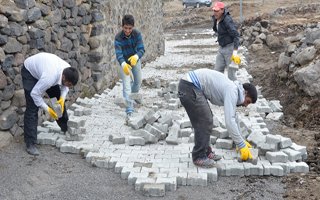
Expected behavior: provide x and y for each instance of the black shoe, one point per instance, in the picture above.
(214, 156)
(204, 162)
(32, 150)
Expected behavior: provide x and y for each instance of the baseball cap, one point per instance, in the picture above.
(218, 6)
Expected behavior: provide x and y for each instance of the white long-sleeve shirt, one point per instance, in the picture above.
(221, 91)
(47, 68)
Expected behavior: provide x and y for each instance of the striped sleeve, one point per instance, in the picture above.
(195, 79)
(118, 49)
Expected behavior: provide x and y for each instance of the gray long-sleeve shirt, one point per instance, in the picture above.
(221, 91)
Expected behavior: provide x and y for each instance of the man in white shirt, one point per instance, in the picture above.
(45, 73)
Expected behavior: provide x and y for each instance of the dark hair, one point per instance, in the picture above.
(251, 91)
(71, 74)
(128, 20)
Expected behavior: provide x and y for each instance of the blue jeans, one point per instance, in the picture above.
(200, 115)
(130, 86)
(223, 60)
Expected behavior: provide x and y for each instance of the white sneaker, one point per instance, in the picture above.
(128, 117)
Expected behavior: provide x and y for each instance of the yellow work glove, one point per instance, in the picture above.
(247, 143)
(61, 102)
(133, 60)
(126, 68)
(245, 153)
(235, 58)
(52, 113)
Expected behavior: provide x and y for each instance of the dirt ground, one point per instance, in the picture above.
(303, 127)
(57, 176)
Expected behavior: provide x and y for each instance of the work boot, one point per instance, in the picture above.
(32, 150)
(212, 155)
(204, 162)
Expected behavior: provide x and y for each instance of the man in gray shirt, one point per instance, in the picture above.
(45, 73)
(194, 91)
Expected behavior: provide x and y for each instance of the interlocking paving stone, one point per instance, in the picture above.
(237, 169)
(127, 170)
(141, 181)
(253, 170)
(299, 167)
(285, 167)
(197, 179)
(170, 183)
(276, 170)
(279, 156)
(133, 176)
(181, 177)
(154, 190)
(293, 155)
(300, 148)
(212, 174)
(285, 142)
(47, 138)
(266, 167)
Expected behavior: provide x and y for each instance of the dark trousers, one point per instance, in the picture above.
(199, 112)
(31, 113)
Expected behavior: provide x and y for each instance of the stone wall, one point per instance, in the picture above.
(79, 31)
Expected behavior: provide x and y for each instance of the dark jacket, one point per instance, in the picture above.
(227, 31)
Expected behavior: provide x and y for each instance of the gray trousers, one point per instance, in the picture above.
(223, 60)
(200, 115)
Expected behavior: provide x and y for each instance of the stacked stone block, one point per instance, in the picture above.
(56, 107)
(154, 190)
(47, 138)
(116, 139)
(50, 133)
(76, 130)
(170, 95)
